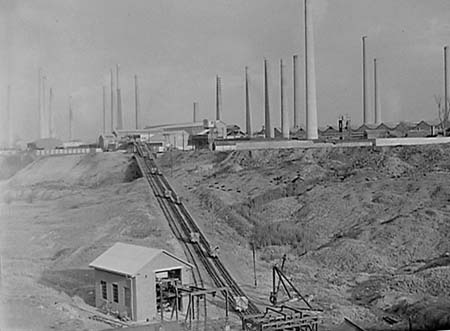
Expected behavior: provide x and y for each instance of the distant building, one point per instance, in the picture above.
(212, 130)
(234, 132)
(45, 144)
(107, 142)
(73, 144)
(127, 279)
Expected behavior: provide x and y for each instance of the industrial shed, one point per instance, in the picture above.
(128, 278)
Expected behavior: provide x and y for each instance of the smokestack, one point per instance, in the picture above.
(295, 91)
(195, 112)
(284, 113)
(44, 110)
(51, 129)
(104, 109)
(9, 130)
(119, 102)
(267, 126)
(112, 101)
(364, 82)
(445, 117)
(41, 115)
(70, 119)
(248, 117)
(218, 98)
(136, 100)
(376, 106)
(310, 72)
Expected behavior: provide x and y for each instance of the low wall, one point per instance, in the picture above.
(411, 141)
(68, 151)
(285, 144)
(9, 152)
(281, 144)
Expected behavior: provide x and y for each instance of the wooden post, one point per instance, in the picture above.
(254, 264)
(161, 301)
(176, 301)
(226, 304)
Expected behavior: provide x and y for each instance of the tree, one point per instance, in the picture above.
(442, 112)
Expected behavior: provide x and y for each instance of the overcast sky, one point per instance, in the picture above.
(178, 46)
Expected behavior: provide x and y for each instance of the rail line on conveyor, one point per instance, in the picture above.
(183, 226)
(197, 278)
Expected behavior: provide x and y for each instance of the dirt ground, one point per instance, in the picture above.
(366, 230)
(57, 215)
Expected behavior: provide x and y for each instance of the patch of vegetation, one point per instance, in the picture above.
(277, 234)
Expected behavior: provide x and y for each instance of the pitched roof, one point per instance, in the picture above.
(128, 259)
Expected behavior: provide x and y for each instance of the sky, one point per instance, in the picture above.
(177, 47)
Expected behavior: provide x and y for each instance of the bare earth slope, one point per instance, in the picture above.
(57, 215)
(366, 230)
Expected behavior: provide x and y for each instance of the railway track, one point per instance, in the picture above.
(197, 277)
(184, 226)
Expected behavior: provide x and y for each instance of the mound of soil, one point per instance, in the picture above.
(363, 228)
(61, 213)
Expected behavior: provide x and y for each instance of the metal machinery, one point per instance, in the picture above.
(282, 317)
(170, 295)
(197, 248)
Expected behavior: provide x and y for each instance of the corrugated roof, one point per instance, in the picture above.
(128, 259)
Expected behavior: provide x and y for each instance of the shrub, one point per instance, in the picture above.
(279, 234)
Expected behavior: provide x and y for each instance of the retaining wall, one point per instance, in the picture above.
(411, 141)
(68, 151)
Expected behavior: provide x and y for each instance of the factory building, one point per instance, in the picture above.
(128, 281)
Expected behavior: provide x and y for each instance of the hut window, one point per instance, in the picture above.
(103, 289)
(115, 289)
